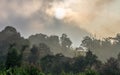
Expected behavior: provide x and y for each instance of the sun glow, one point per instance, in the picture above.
(60, 13)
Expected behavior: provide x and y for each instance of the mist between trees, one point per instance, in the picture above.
(41, 54)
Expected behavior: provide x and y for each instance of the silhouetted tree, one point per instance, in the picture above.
(65, 41)
(87, 42)
(34, 56)
(79, 64)
(90, 58)
(46, 63)
(12, 58)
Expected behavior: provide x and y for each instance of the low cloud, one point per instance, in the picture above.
(78, 19)
(31, 17)
(99, 17)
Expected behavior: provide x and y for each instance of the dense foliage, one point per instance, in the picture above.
(19, 56)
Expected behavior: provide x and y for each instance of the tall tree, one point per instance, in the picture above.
(87, 42)
(65, 41)
(90, 58)
(12, 58)
(34, 56)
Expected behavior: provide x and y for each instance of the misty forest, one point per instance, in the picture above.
(53, 55)
(59, 37)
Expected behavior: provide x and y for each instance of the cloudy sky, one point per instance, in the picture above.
(77, 18)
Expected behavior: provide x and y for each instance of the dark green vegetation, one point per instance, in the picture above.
(51, 55)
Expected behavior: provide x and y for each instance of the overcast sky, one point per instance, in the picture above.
(77, 18)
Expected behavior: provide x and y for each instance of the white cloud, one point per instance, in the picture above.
(99, 17)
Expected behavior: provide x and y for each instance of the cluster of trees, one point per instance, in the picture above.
(8, 37)
(58, 64)
(47, 55)
(38, 52)
(55, 43)
(105, 48)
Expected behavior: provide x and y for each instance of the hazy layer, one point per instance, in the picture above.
(99, 17)
(77, 18)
